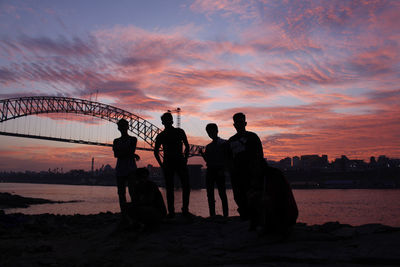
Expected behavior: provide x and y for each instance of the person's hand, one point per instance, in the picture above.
(162, 165)
(136, 156)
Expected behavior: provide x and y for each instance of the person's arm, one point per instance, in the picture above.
(134, 144)
(186, 144)
(229, 155)
(203, 153)
(226, 154)
(259, 147)
(257, 155)
(157, 151)
(115, 150)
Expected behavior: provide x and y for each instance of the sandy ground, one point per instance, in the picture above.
(96, 240)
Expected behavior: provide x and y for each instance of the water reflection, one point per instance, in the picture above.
(351, 206)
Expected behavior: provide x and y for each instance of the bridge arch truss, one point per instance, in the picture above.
(13, 108)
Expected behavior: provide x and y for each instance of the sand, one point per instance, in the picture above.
(97, 240)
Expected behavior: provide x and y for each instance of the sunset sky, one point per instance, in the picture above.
(312, 77)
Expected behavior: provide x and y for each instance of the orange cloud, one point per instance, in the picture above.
(319, 130)
(41, 157)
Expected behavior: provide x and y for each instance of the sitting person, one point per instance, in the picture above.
(147, 206)
(272, 203)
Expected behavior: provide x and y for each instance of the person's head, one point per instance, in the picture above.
(167, 119)
(212, 130)
(239, 121)
(123, 125)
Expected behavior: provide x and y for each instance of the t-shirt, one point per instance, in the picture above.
(246, 149)
(215, 153)
(171, 140)
(124, 149)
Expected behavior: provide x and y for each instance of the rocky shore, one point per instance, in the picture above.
(8, 200)
(96, 240)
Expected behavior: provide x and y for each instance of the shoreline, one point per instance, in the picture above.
(293, 186)
(86, 240)
(9, 201)
(98, 239)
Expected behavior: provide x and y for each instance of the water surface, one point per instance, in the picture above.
(316, 206)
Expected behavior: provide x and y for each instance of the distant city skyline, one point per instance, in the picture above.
(313, 77)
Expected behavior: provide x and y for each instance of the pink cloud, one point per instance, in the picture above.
(377, 62)
(245, 9)
(339, 59)
(163, 75)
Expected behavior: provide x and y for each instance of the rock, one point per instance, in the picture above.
(8, 200)
(345, 232)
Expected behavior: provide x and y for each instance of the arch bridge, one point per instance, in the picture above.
(14, 108)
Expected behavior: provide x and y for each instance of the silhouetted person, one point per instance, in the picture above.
(273, 203)
(147, 206)
(215, 157)
(172, 141)
(124, 149)
(246, 163)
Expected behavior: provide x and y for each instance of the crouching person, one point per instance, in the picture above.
(274, 207)
(147, 207)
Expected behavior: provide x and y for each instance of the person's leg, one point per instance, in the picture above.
(220, 180)
(235, 188)
(121, 186)
(255, 208)
(244, 185)
(237, 191)
(210, 191)
(130, 185)
(169, 186)
(183, 174)
(239, 187)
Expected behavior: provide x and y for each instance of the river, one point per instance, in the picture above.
(316, 206)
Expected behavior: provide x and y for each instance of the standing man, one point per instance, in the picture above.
(215, 157)
(247, 158)
(124, 149)
(175, 161)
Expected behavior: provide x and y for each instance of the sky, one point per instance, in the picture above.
(312, 77)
